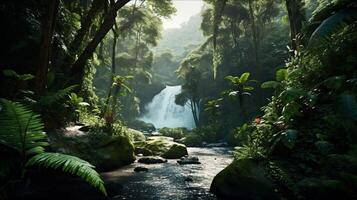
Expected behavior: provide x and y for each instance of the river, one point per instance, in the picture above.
(168, 181)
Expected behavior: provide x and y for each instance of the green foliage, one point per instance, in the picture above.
(22, 130)
(71, 165)
(176, 133)
(57, 96)
(22, 77)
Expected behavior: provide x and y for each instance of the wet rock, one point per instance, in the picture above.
(243, 179)
(115, 152)
(143, 151)
(152, 160)
(188, 179)
(103, 151)
(175, 151)
(164, 147)
(189, 160)
(84, 128)
(141, 169)
(136, 135)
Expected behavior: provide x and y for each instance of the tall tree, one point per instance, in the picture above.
(78, 68)
(47, 29)
(296, 15)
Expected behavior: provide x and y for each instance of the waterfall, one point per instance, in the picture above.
(163, 112)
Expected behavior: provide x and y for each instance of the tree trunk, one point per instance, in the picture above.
(78, 68)
(87, 22)
(254, 31)
(296, 18)
(46, 46)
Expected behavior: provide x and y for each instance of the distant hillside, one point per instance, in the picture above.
(180, 40)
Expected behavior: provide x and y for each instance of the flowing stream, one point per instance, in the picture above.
(163, 112)
(168, 181)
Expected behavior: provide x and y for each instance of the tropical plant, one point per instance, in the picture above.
(240, 88)
(75, 103)
(280, 76)
(21, 132)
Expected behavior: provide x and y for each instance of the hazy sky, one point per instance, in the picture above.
(185, 9)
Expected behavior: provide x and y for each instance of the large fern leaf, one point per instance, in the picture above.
(57, 96)
(69, 164)
(21, 129)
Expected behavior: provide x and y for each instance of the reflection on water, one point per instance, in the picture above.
(167, 180)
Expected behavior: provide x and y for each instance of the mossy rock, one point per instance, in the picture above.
(113, 153)
(164, 146)
(243, 179)
(135, 135)
(103, 151)
(176, 151)
(143, 151)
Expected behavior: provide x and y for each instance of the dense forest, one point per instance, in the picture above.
(248, 99)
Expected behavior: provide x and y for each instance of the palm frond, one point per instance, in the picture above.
(69, 164)
(21, 129)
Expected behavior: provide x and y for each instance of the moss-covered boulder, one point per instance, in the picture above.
(175, 151)
(103, 151)
(112, 153)
(135, 135)
(164, 147)
(243, 179)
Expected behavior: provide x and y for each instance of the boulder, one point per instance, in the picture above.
(103, 151)
(189, 160)
(135, 135)
(143, 151)
(141, 169)
(164, 147)
(113, 153)
(152, 160)
(175, 151)
(243, 179)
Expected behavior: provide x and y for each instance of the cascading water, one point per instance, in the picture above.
(162, 111)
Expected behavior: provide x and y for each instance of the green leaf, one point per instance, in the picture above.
(26, 77)
(248, 88)
(290, 110)
(281, 75)
(69, 164)
(270, 84)
(9, 73)
(244, 77)
(21, 128)
(290, 94)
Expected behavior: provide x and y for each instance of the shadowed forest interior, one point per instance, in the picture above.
(178, 99)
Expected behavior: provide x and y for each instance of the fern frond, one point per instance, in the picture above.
(21, 129)
(69, 164)
(56, 97)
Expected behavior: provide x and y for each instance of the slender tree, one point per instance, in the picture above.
(48, 26)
